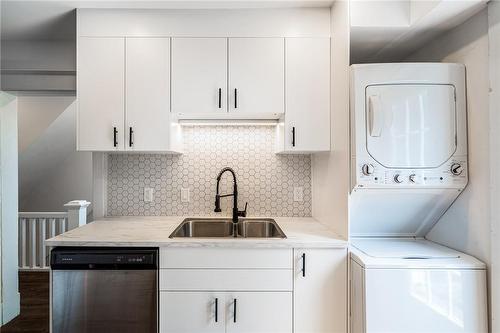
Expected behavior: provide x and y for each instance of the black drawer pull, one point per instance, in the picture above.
(115, 137)
(303, 265)
(293, 136)
(235, 98)
(234, 310)
(220, 98)
(216, 309)
(130, 137)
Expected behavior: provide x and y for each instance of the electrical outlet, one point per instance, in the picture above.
(185, 195)
(148, 194)
(298, 194)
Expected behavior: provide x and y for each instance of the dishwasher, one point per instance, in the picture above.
(104, 290)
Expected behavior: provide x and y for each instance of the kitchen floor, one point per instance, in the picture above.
(34, 317)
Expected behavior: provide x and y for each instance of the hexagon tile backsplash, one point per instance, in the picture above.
(265, 180)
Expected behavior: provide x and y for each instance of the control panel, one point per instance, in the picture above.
(453, 173)
(103, 258)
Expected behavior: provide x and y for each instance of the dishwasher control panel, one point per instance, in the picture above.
(95, 258)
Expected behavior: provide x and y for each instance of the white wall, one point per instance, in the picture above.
(331, 170)
(51, 172)
(36, 113)
(494, 62)
(465, 226)
(9, 296)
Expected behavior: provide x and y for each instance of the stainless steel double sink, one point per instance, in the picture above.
(225, 228)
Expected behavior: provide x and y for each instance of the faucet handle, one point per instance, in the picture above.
(217, 204)
(243, 213)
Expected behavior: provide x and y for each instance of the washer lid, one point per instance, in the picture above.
(409, 253)
(404, 248)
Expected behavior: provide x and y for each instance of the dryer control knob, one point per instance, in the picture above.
(456, 169)
(413, 178)
(398, 178)
(367, 169)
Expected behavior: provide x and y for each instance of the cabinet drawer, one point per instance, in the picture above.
(226, 258)
(226, 279)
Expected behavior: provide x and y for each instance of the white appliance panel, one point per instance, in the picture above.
(411, 126)
(425, 300)
(408, 144)
(397, 212)
(398, 248)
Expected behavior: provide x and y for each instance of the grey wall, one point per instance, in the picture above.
(51, 172)
(265, 180)
(466, 225)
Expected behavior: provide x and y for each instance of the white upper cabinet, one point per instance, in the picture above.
(256, 75)
(306, 126)
(147, 94)
(199, 75)
(124, 95)
(100, 93)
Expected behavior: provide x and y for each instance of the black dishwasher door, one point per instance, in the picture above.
(104, 290)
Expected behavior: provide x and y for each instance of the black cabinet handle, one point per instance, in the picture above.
(303, 265)
(115, 137)
(220, 98)
(216, 309)
(235, 98)
(293, 136)
(234, 310)
(130, 137)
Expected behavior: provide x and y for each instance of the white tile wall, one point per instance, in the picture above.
(265, 180)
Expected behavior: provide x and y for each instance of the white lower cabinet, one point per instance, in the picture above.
(192, 312)
(236, 290)
(238, 312)
(259, 312)
(320, 291)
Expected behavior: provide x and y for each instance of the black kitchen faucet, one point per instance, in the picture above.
(236, 212)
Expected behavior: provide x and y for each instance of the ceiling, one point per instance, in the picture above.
(55, 20)
(385, 31)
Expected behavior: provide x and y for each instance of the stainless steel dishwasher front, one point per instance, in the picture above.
(104, 290)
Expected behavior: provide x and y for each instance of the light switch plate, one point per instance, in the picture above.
(148, 194)
(185, 195)
(298, 194)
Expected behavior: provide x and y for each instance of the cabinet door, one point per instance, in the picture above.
(320, 292)
(256, 75)
(199, 75)
(193, 312)
(147, 94)
(101, 83)
(259, 312)
(307, 118)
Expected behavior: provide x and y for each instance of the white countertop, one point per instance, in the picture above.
(155, 232)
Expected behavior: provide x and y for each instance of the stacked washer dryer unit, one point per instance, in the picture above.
(409, 163)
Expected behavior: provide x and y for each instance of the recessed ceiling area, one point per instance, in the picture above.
(55, 20)
(385, 31)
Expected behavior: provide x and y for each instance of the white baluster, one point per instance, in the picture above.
(24, 253)
(63, 225)
(32, 232)
(52, 228)
(41, 244)
(52, 233)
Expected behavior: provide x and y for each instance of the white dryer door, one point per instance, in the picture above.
(411, 125)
